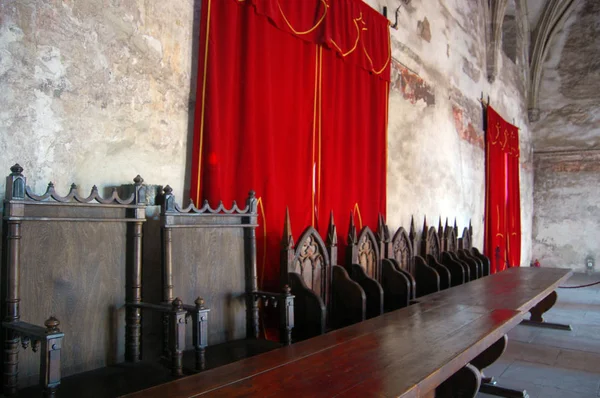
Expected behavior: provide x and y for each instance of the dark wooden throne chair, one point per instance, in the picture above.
(464, 254)
(485, 262)
(325, 296)
(364, 266)
(431, 250)
(78, 258)
(401, 256)
(426, 277)
(395, 275)
(459, 272)
(212, 253)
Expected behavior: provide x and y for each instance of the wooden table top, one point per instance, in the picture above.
(404, 353)
(518, 288)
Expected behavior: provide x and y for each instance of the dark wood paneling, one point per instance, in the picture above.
(75, 271)
(209, 262)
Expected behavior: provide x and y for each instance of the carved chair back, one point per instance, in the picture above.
(310, 261)
(79, 258)
(450, 241)
(367, 253)
(465, 242)
(431, 243)
(325, 296)
(402, 251)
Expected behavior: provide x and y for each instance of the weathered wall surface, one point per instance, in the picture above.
(95, 91)
(567, 214)
(99, 91)
(435, 136)
(566, 142)
(569, 94)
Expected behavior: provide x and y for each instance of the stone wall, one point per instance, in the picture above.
(97, 92)
(567, 213)
(436, 164)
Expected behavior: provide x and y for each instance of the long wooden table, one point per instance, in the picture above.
(406, 353)
(518, 289)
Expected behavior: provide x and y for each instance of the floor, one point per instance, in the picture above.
(553, 363)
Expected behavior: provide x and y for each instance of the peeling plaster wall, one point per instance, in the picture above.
(95, 91)
(99, 91)
(567, 213)
(436, 164)
(566, 141)
(570, 84)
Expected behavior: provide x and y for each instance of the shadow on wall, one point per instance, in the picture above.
(192, 100)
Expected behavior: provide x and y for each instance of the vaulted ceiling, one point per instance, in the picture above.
(568, 93)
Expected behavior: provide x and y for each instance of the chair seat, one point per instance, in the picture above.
(225, 353)
(124, 378)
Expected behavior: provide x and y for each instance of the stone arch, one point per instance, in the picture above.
(551, 21)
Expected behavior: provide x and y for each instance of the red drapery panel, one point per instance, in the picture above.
(291, 99)
(503, 207)
(354, 147)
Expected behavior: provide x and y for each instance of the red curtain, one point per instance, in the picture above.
(354, 147)
(503, 207)
(291, 102)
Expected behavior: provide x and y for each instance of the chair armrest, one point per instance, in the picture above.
(443, 272)
(49, 339)
(427, 278)
(176, 313)
(484, 260)
(349, 302)
(396, 286)
(309, 309)
(411, 279)
(457, 272)
(285, 302)
(372, 288)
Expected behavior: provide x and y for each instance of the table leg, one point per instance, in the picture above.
(537, 312)
(464, 384)
(488, 384)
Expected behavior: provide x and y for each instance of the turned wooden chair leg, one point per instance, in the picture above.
(50, 362)
(200, 333)
(177, 337)
(286, 316)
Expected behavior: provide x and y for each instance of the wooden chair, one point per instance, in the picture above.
(364, 266)
(464, 254)
(426, 277)
(398, 255)
(431, 250)
(79, 258)
(458, 271)
(325, 296)
(212, 252)
(484, 260)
